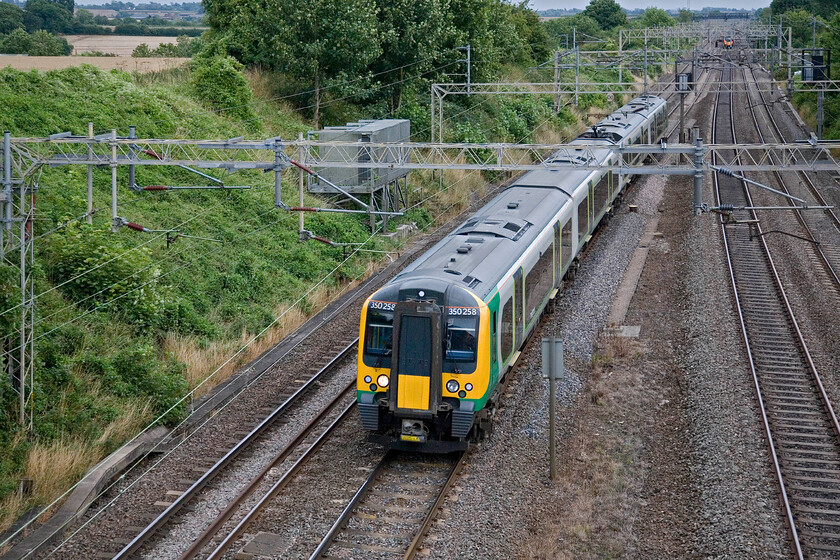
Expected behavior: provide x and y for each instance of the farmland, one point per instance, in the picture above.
(120, 45)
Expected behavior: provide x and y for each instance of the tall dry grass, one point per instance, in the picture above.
(135, 417)
(55, 466)
(203, 360)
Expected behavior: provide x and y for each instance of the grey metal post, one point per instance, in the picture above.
(7, 190)
(556, 81)
(432, 113)
(440, 118)
(620, 56)
(698, 171)
(278, 195)
(90, 176)
(114, 224)
(682, 117)
(24, 347)
(131, 134)
(552, 382)
(552, 367)
(301, 157)
(789, 59)
(779, 41)
(645, 59)
(820, 114)
(577, 73)
(468, 60)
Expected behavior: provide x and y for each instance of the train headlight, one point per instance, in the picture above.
(468, 386)
(373, 386)
(382, 380)
(452, 386)
(368, 379)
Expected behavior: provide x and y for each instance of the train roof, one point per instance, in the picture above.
(481, 250)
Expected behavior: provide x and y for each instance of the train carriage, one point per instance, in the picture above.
(436, 340)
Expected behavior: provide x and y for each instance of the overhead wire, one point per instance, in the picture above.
(189, 395)
(206, 379)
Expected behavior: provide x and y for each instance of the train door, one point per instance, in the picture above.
(518, 308)
(558, 255)
(417, 361)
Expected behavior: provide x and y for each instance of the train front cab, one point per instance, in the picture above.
(437, 364)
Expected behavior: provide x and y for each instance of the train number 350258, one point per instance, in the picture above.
(463, 311)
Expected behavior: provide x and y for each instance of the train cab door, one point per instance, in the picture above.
(416, 365)
(518, 308)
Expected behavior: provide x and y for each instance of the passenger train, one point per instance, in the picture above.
(437, 339)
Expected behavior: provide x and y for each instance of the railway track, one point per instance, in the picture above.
(393, 509)
(241, 452)
(801, 427)
(820, 224)
(215, 541)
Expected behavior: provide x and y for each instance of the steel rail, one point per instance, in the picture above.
(213, 529)
(427, 522)
(823, 257)
(279, 485)
(765, 420)
(354, 501)
(368, 485)
(791, 315)
(162, 519)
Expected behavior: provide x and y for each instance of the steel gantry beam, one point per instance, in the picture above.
(239, 154)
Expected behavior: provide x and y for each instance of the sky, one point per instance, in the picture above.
(664, 4)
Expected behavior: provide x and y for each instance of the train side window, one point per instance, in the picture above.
(583, 218)
(566, 235)
(538, 284)
(602, 194)
(507, 329)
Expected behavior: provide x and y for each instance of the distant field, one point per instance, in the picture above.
(142, 65)
(120, 45)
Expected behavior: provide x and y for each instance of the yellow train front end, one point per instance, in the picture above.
(424, 368)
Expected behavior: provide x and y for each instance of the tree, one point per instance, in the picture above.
(84, 17)
(685, 16)
(49, 16)
(532, 35)
(411, 35)
(607, 13)
(326, 43)
(801, 29)
(562, 30)
(655, 17)
(11, 17)
(39, 43)
(44, 44)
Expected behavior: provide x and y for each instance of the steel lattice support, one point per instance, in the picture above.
(17, 250)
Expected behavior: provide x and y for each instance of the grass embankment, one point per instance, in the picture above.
(126, 325)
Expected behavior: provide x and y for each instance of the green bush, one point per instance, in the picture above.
(39, 43)
(116, 276)
(219, 81)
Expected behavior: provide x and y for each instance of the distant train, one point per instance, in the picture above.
(727, 42)
(436, 340)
